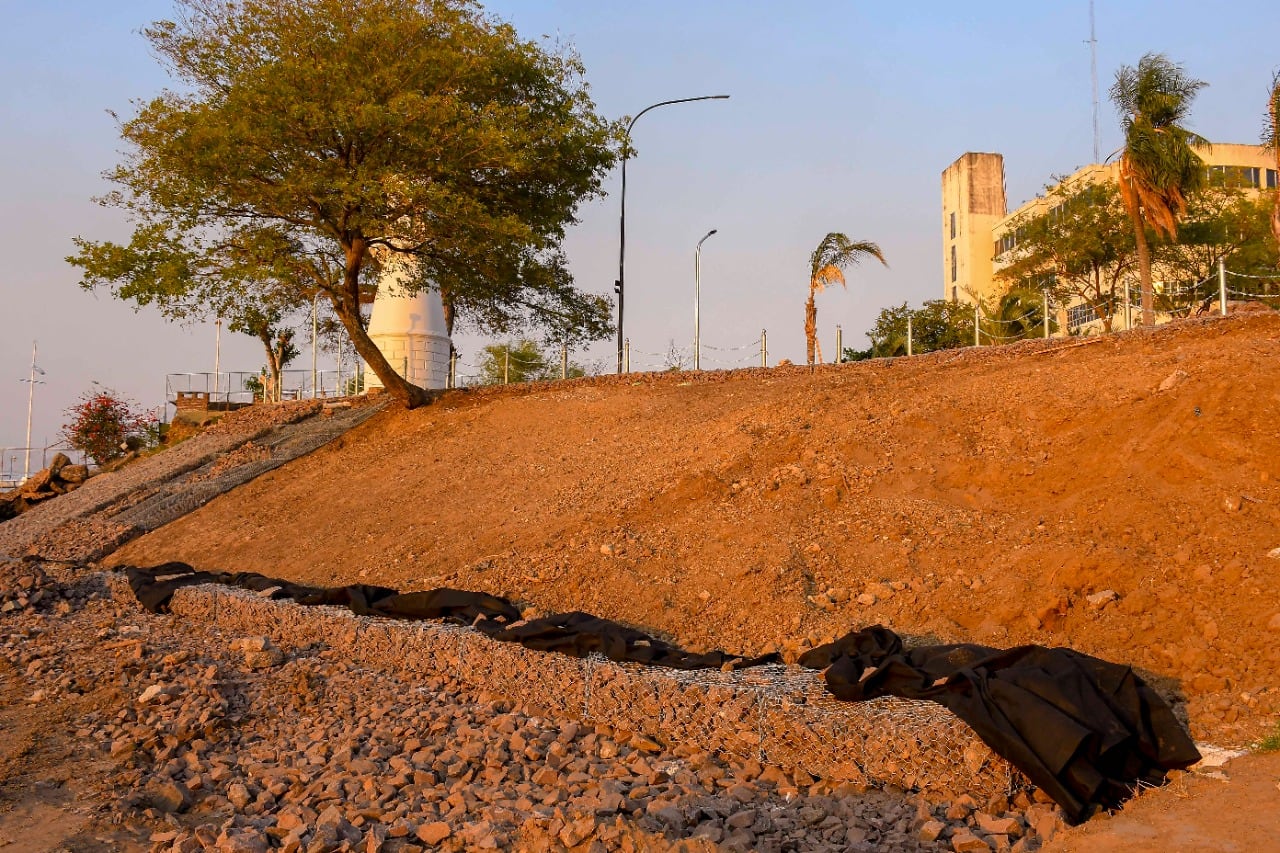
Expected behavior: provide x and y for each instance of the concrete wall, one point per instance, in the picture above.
(973, 201)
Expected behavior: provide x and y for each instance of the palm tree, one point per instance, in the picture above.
(826, 267)
(1271, 139)
(1158, 164)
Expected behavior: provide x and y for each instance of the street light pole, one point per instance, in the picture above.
(31, 399)
(697, 301)
(619, 285)
(217, 359)
(313, 343)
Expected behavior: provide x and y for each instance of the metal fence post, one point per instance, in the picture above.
(839, 344)
(1046, 315)
(564, 361)
(1222, 285)
(977, 308)
(626, 356)
(506, 366)
(909, 333)
(764, 347)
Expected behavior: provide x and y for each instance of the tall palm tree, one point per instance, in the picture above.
(1271, 139)
(826, 267)
(1158, 164)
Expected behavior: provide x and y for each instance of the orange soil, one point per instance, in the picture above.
(976, 495)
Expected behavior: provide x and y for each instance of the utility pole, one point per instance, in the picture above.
(1093, 70)
(31, 398)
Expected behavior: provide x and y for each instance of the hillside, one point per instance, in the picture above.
(1117, 495)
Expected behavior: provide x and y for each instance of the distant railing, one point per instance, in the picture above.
(14, 459)
(227, 390)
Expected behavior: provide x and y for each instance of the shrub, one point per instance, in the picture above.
(103, 426)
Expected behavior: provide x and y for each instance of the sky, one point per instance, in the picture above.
(841, 117)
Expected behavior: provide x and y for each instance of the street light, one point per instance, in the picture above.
(31, 398)
(697, 301)
(618, 286)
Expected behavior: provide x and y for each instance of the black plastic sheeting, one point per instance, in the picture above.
(1084, 730)
(576, 634)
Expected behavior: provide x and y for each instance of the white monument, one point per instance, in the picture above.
(410, 331)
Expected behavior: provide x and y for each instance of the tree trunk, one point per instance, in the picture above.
(347, 307)
(1144, 266)
(271, 387)
(810, 326)
(397, 386)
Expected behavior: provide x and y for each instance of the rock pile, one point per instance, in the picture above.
(24, 586)
(204, 750)
(58, 479)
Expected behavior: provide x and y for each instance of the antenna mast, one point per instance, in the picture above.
(1093, 70)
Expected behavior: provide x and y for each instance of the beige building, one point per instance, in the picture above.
(976, 225)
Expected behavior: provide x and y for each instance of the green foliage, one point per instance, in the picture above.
(1016, 316)
(1270, 743)
(937, 324)
(1222, 221)
(311, 144)
(103, 426)
(1080, 249)
(522, 361)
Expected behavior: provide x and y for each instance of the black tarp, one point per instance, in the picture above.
(577, 634)
(1086, 731)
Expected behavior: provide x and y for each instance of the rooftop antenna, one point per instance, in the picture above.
(1093, 70)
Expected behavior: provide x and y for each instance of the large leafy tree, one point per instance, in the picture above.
(1158, 164)
(312, 141)
(1080, 248)
(1223, 222)
(826, 268)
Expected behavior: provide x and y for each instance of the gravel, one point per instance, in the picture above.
(218, 741)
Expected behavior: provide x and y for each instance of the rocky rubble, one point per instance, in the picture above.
(206, 746)
(58, 479)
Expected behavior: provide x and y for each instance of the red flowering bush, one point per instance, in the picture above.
(104, 426)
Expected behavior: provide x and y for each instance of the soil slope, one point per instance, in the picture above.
(1117, 495)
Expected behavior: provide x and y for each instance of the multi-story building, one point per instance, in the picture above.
(976, 227)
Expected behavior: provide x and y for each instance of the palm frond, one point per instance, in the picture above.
(1271, 123)
(838, 250)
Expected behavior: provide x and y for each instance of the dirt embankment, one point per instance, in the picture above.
(1115, 495)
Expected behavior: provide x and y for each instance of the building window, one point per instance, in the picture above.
(953, 225)
(955, 293)
(1271, 179)
(953, 263)
(1235, 176)
(1078, 315)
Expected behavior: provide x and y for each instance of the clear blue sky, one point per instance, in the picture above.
(842, 117)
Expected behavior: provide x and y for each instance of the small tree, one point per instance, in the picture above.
(938, 324)
(512, 362)
(103, 426)
(1158, 164)
(826, 267)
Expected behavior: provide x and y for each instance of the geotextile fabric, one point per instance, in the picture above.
(1084, 730)
(576, 634)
